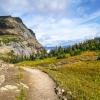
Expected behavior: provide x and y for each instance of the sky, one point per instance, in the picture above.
(56, 20)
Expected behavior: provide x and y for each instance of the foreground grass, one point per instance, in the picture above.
(82, 78)
(40, 62)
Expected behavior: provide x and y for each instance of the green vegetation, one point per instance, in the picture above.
(38, 62)
(23, 92)
(76, 69)
(22, 95)
(19, 76)
(58, 53)
(8, 38)
(98, 57)
(76, 49)
(12, 58)
(82, 78)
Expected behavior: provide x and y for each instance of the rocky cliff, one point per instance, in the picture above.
(16, 37)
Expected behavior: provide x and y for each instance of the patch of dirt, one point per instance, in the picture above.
(10, 86)
(40, 84)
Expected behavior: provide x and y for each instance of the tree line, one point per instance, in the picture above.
(60, 52)
(92, 45)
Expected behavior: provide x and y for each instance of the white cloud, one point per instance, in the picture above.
(50, 30)
(50, 5)
(19, 7)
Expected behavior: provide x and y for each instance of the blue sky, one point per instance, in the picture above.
(56, 20)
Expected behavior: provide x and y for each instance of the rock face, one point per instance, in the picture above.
(16, 37)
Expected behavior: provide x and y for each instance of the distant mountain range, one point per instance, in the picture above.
(71, 42)
(63, 44)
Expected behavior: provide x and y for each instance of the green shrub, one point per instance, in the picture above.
(98, 57)
(22, 94)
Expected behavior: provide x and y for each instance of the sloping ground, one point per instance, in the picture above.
(79, 76)
(16, 37)
(10, 83)
(27, 84)
(41, 85)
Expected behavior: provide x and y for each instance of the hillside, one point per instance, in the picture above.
(77, 76)
(75, 69)
(16, 38)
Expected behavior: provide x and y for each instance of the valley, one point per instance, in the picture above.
(79, 78)
(29, 72)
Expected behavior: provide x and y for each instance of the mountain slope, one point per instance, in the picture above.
(16, 37)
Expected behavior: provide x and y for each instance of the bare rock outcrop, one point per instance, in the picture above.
(16, 37)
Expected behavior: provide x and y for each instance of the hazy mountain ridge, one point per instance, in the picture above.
(69, 43)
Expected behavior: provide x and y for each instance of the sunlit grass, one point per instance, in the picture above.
(82, 78)
(39, 62)
(36, 62)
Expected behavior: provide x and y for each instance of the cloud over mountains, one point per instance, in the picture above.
(56, 20)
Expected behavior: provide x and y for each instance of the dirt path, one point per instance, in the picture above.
(41, 85)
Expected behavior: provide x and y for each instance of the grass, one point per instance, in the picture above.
(40, 62)
(22, 94)
(89, 53)
(8, 38)
(36, 62)
(19, 75)
(82, 78)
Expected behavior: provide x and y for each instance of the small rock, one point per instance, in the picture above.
(17, 91)
(3, 89)
(63, 90)
(24, 85)
(2, 79)
(11, 65)
(11, 87)
(64, 98)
